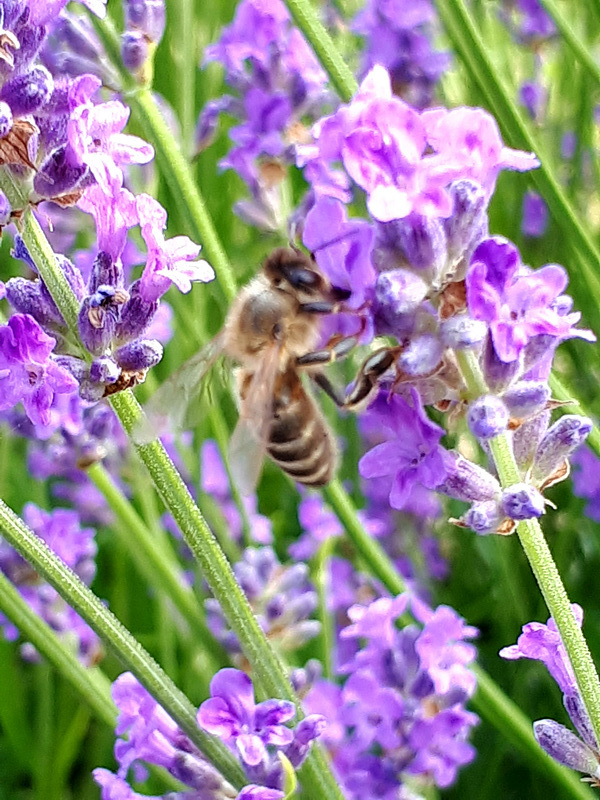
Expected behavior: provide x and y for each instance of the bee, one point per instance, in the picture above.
(271, 331)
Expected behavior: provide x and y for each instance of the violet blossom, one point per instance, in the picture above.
(412, 455)
(60, 529)
(516, 302)
(280, 82)
(380, 727)
(543, 643)
(398, 36)
(383, 144)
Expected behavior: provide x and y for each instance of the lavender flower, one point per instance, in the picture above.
(380, 726)
(398, 36)
(412, 455)
(535, 215)
(60, 530)
(29, 371)
(256, 731)
(282, 599)
(586, 481)
(543, 643)
(383, 145)
(280, 82)
(518, 304)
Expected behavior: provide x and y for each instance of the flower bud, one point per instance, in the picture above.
(487, 417)
(26, 297)
(398, 294)
(560, 441)
(467, 225)
(522, 501)
(134, 50)
(483, 517)
(104, 370)
(527, 438)
(498, 374)
(136, 315)
(526, 398)
(57, 174)
(580, 718)
(421, 355)
(139, 355)
(565, 747)
(5, 209)
(460, 332)
(467, 481)
(28, 92)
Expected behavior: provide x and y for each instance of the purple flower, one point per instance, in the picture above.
(61, 531)
(28, 371)
(94, 134)
(401, 710)
(43, 11)
(341, 247)
(152, 736)
(282, 598)
(586, 481)
(543, 643)
(381, 142)
(412, 455)
(469, 138)
(398, 34)
(517, 303)
(535, 215)
(232, 714)
(169, 261)
(113, 214)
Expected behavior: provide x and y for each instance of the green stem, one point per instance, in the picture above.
(489, 700)
(125, 646)
(92, 685)
(266, 665)
(321, 42)
(540, 559)
(157, 564)
(573, 40)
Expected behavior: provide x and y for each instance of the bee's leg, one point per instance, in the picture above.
(372, 369)
(366, 381)
(337, 347)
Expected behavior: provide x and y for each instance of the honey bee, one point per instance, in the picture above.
(271, 331)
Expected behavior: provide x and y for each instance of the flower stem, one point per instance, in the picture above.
(156, 561)
(92, 685)
(540, 559)
(340, 74)
(125, 646)
(266, 665)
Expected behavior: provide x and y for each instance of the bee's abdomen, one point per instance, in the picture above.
(300, 440)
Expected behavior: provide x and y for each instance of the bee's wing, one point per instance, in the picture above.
(249, 439)
(168, 408)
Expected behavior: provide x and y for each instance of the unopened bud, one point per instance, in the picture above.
(487, 417)
(562, 439)
(522, 501)
(565, 747)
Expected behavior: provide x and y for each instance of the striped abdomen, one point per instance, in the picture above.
(299, 439)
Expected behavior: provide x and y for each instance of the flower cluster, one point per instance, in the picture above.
(255, 732)
(61, 531)
(282, 599)
(280, 84)
(543, 643)
(400, 711)
(398, 36)
(78, 155)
